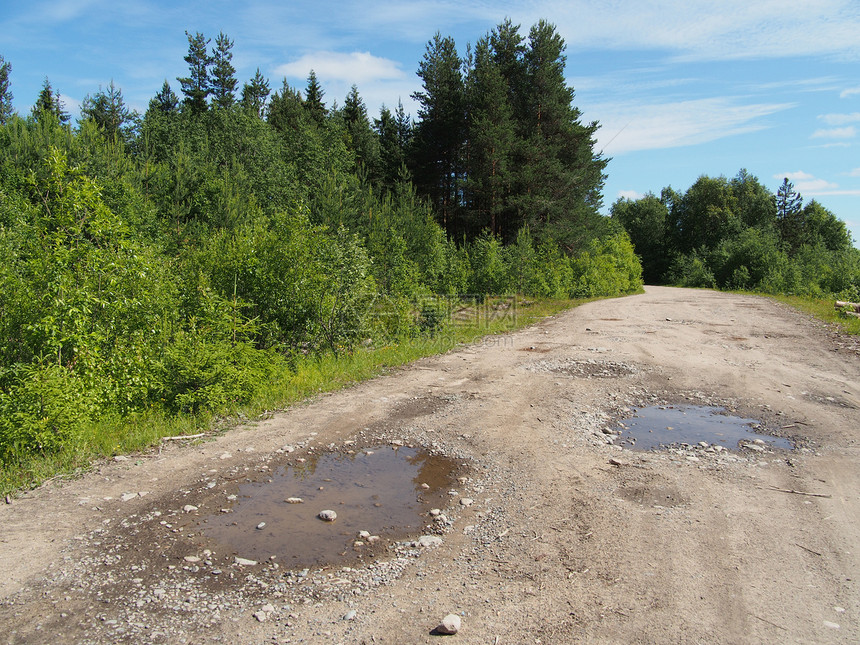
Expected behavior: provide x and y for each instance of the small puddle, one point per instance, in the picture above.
(379, 490)
(658, 426)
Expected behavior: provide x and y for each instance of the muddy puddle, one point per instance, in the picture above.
(654, 427)
(378, 495)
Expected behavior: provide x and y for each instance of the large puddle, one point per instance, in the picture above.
(659, 426)
(384, 492)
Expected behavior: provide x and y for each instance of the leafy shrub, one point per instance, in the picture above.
(44, 411)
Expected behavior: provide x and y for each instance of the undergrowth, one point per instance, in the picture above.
(303, 378)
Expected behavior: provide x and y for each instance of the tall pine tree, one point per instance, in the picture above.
(197, 86)
(438, 147)
(255, 93)
(223, 73)
(491, 145)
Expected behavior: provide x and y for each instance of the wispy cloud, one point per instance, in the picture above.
(797, 175)
(702, 29)
(835, 133)
(629, 194)
(636, 126)
(357, 67)
(844, 94)
(840, 119)
(809, 184)
(854, 173)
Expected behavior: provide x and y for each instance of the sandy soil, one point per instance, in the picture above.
(570, 538)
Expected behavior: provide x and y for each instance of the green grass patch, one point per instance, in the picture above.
(463, 323)
(823, 309)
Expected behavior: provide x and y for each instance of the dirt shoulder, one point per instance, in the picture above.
(569, 539)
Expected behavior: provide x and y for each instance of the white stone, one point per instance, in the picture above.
(244, 562)
(327, 516)
(429, 540)
(189, 508)
(449, 625)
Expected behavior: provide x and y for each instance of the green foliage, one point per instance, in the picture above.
(220, 255)
(737, 235)
(43, 410)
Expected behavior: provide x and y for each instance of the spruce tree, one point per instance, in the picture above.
(789, 214)
(361, 140)
(107, 109)
(313, 100)
(197, 86)
(49, 102)
(286, 112)
(165, 102)
(223, 73)
(6, 109)
(255, 93)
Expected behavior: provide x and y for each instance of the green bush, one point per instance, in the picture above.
(44, 411)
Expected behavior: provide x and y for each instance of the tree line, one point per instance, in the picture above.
(178, 260)
(736, 234)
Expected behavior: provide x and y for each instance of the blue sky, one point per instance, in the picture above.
(681, 88)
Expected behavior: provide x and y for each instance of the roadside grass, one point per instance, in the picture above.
(824, 310)
(310, 376)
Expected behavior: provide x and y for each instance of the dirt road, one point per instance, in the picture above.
(570, 538)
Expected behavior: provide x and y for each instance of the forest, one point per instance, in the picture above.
(736, 234)
(176, 263)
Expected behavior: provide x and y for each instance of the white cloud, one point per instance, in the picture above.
(840, 119)
(844, 94)
(854, 173)
(629, 194)
(815, 186)
(636, 126)
(807, 183)
(703, 29)
(355, 67)
(798, 175)
(835, 133)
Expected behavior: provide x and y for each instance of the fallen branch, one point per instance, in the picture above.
(808, 549)
(765, 620)
(184, 436)
(794, 492)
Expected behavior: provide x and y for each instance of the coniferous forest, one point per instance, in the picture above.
(179, 259)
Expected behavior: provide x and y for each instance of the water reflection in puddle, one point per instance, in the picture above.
(383, 491)
(652, 427)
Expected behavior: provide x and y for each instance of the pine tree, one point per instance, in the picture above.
(197, 85)
(789, 214)
(223, 73)
(313, 100)
(255, 93)
(391, 153)
(491, 145)
(440, 134)
(6, 109)
(165, 102)
(361, 140)
(108, 110)
(49, 102)
(286, 112)
(559, 187)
